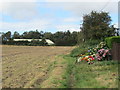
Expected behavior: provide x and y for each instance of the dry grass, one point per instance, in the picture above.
(56, 74)
(30, 66)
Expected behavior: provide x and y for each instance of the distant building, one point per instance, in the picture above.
(29, 40)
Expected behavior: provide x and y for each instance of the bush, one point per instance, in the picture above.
(92, 42)
(83, 47)
(110, 40)
(75, 52)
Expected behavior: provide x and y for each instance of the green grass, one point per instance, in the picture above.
(98, 75)
(83, 47)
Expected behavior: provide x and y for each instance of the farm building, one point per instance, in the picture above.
(47, 40)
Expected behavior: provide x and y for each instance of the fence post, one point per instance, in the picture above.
(116, 51)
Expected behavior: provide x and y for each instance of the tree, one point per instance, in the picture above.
(43, 42)
(6, 36)
(97, 26)
(74, 37)
(32, 35)
(65, 38)
(48, 35)
(16, 35)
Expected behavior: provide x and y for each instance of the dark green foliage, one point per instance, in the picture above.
(96, 26)
(32, 43)
(11, 42)
(6, 36)
(83, 47)
(43, 42)
(32, 35)
(75, 52)
(48, 35)
(65, 38)
(111, 40)
(59, 38)
(16, 35)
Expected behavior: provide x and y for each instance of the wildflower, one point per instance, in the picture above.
(88, 50)
(102, 53)
(79, 59)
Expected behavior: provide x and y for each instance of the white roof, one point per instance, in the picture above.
(26, 39)
(47, 40)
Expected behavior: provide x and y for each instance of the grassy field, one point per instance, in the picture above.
(32, 66)
(50, 67)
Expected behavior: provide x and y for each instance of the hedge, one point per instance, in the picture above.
(111, 40)
(27, 43)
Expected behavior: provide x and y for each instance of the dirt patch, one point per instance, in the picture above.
(108, 79)
(30, 66)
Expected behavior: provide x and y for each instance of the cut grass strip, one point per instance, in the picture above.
(55, 78)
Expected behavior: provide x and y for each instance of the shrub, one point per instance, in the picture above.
(83, 47)
(93, 42)
(111, 40)
(79, 50)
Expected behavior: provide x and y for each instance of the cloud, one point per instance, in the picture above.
(25, 9)
(81, 8)
(71, 19)
(19, 10)
(71, 28)
(19, 0)
(28, 10)
(81, 0)
(22, 26)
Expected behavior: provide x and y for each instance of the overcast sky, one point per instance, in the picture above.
(51, 15)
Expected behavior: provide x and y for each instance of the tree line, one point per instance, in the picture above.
(96, 26)
(60, 38)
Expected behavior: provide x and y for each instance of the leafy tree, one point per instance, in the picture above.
(43, 42)
(6, 36)
(16, 35)
(65, 38)
(49, 35)
(97, 26)
(32, 35)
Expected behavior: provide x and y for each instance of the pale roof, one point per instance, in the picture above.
(47, 40)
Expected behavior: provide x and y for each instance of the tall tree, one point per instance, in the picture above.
(97, 25)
